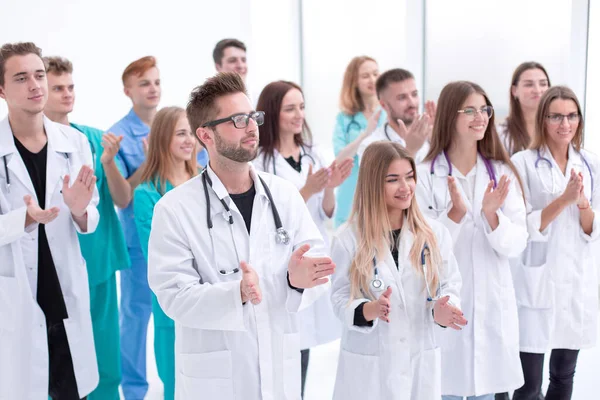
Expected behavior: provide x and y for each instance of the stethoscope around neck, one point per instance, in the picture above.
(281, 235)
(488, 166)
(303, 153)
(555, 187)
(377, 284)
(7, 174)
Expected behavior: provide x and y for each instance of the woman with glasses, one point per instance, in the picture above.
(171, 161)
(396, 279)
(469, 184)
(286, 150)
(529, 82)
(360, 115)
(556, 281)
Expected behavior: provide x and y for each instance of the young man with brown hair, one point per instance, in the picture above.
(105, 251)
(228, 259)
(229, 55)
(45, 165)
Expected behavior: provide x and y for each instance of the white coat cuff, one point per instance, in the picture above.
(297, 301)
(13, 225)
(534, 222)
(92, 221)
(453, 227)
(594, 236)
(349, 317)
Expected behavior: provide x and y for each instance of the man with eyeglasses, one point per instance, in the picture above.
(399, 97)
(233, 256)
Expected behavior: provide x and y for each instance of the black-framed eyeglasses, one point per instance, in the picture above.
(240, 121)
(486, 112)
(556, 119)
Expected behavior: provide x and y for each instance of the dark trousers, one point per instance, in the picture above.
(62, 385)
(304, 356)
(562, 371)
(501, 396)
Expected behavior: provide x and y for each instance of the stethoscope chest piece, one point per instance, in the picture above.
(282, 237)
(377, 283)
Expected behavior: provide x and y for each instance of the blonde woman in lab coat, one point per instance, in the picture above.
(397, 278)
(286, 150)
(556, 281)
(469, 184)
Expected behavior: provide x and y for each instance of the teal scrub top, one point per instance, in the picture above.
(105, 250)
(347, 129)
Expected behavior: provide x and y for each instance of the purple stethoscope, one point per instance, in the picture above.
(555, 186)
(488, 167)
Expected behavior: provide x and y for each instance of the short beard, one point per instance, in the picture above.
(233, 152)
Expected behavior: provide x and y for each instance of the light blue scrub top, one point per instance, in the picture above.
(130, 157)
(347, 129)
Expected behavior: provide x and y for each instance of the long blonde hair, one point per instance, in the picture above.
(157, 167)
(373, 227)
(350, 99)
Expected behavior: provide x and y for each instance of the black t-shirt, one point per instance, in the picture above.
(395, 235)
(49, 293)
(297, 165)
(244, 203)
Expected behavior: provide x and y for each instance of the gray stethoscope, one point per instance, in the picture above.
(377, 283)
(303, 153)
(385, 131)
(555, 188)
(488, 167)
(8, 174)
(352, 122)
(281, 236)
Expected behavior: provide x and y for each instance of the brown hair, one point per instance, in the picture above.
(220, 47)
(450, 101)
(9, 50)
(392, 76)
(58, 65)
(350, 100)
(518, 138)
(138, 68)
(373, 227)
(201, 107)
(554, 93)
(157, 168)
(270, 101)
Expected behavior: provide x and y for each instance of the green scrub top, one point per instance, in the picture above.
(105, 250)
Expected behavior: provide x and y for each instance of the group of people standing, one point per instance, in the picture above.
(464, 250)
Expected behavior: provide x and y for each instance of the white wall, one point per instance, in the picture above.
(592, 104)
(101, 41)
(484, 41)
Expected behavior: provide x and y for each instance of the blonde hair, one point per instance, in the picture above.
(350, 99)
(373, 227)
(555, 93)
(157, 168)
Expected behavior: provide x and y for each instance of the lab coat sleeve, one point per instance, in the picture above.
(178, 285)
(93, 216)
(594, 200)
(363, 146)
(510, 237)
(143, 204)
(12, 225)
(339, 134)
(423, 196)
(340, 289)
(450, 279)
(306, 232)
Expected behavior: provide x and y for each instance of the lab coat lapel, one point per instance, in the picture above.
(405, 243)
(59, 161)
(15, 164)
(556, 173)
(482, 179)
(285, 170)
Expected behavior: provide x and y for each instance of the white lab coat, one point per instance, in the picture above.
(386, 133)
(27, 364)
(484, 357)
(400, 360)
(556, 279)
(224, 349)
(318, 324)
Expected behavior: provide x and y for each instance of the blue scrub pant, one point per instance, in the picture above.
(136, 306)
(105, 323)
(164, 349)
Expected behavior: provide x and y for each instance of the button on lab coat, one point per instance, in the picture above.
(30, 347)
(556, 278)
(399, 360)
(225, 349)
(483, 357)
(318, 324)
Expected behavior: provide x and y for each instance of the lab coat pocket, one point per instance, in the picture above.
(531, 277)
(358, 377)
(207, 375)
(427, 383)
(291, 366)
(9, 293)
